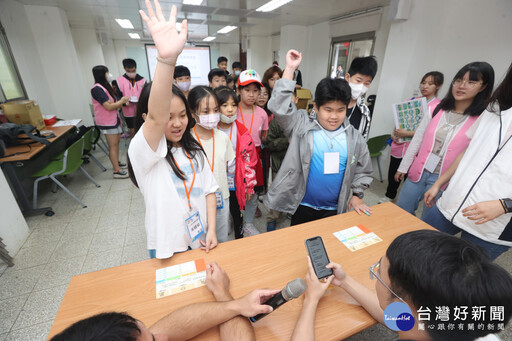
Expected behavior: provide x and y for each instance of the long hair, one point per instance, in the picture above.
(188, 143)
(99, 77)
(502, 94)
(478, 71)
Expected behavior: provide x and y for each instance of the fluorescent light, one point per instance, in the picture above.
(227, 29)
(209, 38)
(192, 2)
(272, 5)
(134, 35)
(124, 23)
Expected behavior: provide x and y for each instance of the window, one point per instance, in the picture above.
(345, 49)
(11, 87)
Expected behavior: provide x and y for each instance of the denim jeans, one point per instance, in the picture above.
(436, 219)
(412, 193)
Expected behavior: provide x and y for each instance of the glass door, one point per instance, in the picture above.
(345, 49)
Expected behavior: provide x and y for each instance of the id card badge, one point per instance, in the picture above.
(332, 163)
(432, 162)
(220, 201)
(194, 226)
(231, 182)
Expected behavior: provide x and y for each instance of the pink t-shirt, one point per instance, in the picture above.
(260, 122)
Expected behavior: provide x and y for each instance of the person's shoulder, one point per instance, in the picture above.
(260, 111)
(220, 135)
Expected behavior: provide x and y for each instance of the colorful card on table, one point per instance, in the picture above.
(181, 277)
(357, 237)
(408, 115)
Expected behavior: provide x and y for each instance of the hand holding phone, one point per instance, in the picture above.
(318, 255)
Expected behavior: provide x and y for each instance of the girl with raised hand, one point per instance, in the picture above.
(169, 165)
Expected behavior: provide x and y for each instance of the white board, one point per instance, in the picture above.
(196, 58)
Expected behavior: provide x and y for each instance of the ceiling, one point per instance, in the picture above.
(207, 18)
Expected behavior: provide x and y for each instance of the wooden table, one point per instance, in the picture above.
(30, 155)
(268, 260)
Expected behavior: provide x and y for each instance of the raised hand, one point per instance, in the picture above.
(168, 41)
(293, 59)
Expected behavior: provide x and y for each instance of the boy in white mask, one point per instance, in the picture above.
(360, 76)
(217, 147)
(182, 79)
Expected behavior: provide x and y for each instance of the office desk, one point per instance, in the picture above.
(268, 260)
(22, 166)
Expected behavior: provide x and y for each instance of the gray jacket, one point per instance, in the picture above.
(289, 187)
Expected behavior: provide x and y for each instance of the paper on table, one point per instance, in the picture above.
(67, 123)
(181, 277)
(357, 237)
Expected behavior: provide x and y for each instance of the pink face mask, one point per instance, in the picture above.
(209, 121)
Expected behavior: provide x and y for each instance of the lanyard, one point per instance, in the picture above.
(243, 121)
(230, 130)
(212, 164)
(193, 180)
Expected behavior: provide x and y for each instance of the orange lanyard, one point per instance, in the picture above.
(243, 121)
(193, 180)
(212, 164)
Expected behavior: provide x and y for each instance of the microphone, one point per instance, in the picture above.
(292, 290)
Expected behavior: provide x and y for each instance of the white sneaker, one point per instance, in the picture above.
(120, 174)
(250, 230)
(384, 199)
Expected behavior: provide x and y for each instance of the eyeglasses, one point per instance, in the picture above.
(373, 275)
(469, 84)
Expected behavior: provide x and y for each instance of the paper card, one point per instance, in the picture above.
(357, 237)
(181, 277)
(332, 163)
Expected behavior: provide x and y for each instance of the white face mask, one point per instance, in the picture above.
(110, 77)
(184, 86)
(131, 74)
(237, 72)
(209, 121)
(227, 119)
(357, 90)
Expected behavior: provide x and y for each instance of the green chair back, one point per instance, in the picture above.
(88, 141)
(377, 144)
(70, 162)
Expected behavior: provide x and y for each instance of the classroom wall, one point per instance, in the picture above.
(259, 54)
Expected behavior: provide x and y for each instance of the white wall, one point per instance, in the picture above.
(316, 56)
(57, 53)
(13, 228)
(23, 46)
(259, 54)
(463, 31)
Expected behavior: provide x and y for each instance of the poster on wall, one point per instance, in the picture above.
(196, 58)
(408, 115)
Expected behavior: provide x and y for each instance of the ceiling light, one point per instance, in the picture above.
(134, 35)
(272, 5)
(192, 2)
(227, 29)
(124, 23)
(209, 38)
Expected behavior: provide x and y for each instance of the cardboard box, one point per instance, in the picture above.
(304, 96)
(24, 112)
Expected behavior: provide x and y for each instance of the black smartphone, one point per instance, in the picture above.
(318, 255)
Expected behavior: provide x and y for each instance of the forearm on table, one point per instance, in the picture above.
(305, 327)
(364, 296)
(237, 328)
(211, 212)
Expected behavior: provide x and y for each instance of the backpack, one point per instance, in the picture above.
(9, 136)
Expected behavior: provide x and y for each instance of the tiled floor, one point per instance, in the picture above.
(76, 240)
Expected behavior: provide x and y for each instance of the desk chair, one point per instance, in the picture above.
(88, 147)
(69, 162)
(375, 146)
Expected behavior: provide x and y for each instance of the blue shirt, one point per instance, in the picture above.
(323, 190)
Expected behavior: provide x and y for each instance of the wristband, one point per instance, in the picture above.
(168, 61)
(503, 205)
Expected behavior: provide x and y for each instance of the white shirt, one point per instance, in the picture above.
(231, 132)
(165, 197)
(465, 190)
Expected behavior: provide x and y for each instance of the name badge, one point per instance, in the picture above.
(220, 201)
(432, 162)
(194, 226)
(231, 182)
(134, 99)
(332, 163)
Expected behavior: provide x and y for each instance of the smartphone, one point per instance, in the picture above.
(318, 255)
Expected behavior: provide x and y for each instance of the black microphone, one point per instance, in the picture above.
(292, 290)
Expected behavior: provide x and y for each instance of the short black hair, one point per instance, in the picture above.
(129, 63)
(105, 326)
(503, 93)
(222, 59)
(432, 269)
(196, 96)
(478, 71)
(217, 72)
(366, 66)
(224, 93)
(329, 89)
(236, 65)
(180, 71)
